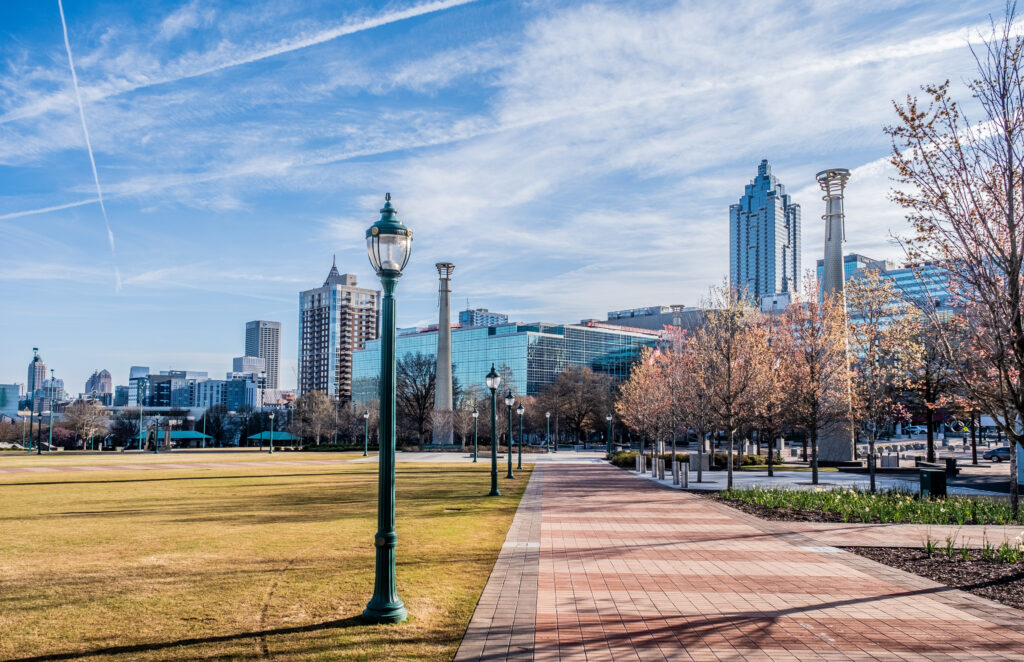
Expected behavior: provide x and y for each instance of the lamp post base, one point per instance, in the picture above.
(393, 613)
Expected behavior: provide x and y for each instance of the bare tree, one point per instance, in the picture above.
(961, 184)
(86, 418)
(414, 392)
(313, 416)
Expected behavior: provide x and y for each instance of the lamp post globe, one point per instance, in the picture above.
(520, 410)
(547, 432)
(509, 401)
(493, 381)
(608, 441)
(388, 245)
(271, 416)
(366, 432)
(476, 416)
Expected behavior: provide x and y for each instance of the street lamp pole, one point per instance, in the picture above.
(493, 381)
(366, 432)
(520, 410)
(53, 392)
(547, 430)
(608, 442)
(509, 401)
(476, 416)
(140, 422)
(388, 244)
(271, 416)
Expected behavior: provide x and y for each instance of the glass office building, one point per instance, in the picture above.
(531, 355)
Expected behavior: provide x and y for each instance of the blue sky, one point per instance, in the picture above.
(570, 158)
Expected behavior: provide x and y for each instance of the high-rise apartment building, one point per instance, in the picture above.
(334, 320)
(764, 238)
(481, 317)
(263, 339)
(99, 383)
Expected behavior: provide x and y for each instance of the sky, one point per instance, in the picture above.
(204, 160)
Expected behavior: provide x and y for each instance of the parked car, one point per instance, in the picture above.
(997, 454)
(915, 429)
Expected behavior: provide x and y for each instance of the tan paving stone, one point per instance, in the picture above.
(628, 570)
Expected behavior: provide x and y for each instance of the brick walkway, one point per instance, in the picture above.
(629, 570)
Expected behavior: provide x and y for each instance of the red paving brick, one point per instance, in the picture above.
(628, 570)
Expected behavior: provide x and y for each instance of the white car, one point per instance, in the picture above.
(915, 429)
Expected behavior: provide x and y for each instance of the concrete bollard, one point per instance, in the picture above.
(675, 472)
(661, 469)
(638, 458)
(686, 477)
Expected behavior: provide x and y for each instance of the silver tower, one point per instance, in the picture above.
(443, 424)
(836, 441)
(833, 183)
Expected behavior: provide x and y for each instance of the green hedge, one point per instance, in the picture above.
(627, 459)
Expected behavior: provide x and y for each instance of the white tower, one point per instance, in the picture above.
(836, 442)
(833, 183)
(444, 432)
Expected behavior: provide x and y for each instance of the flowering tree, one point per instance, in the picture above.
(960, 182)
(882, 343)
(731, 353)
(643, 403)
(814, 340)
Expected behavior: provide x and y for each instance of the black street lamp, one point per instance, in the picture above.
(388, 244)
(476, 416)
(366, 432)
(271, 452)
(547, 433)
(520, 410)
(493, 382)
(608, 417)
(509, 401)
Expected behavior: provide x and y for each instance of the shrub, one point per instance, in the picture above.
(888, 506)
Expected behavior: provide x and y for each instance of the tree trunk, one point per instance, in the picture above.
(871, 458)
(728, 459)
(974, 439)
(931, 438)
(771, 456)
(814, 457)
(700, 455)
(1014, 488)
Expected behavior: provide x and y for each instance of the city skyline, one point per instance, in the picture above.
(192, 112)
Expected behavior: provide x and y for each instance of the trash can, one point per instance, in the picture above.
(933, 483)
(951, 470)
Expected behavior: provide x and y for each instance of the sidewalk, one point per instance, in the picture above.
(629, 570)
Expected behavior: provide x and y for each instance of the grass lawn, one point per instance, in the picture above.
(240, 562)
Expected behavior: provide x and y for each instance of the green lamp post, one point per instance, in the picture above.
(547, 432)
(608, 417)
(493, 382)
(271, 417)
(509, 401)
(366, 432)
(476, 415)
(520, 410)
(53, 393)
(388, 244)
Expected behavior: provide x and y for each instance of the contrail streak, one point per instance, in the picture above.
(88, 144)
(43, 210)
(53, 102)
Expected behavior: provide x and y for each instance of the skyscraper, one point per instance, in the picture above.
(764, 238)
(263, 339)
(36, 372)
(99, 383)
(334, 320)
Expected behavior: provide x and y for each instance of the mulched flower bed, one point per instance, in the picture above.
(776, 514)
(1001, 582)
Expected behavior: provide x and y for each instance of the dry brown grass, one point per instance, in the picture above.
(240, 562)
